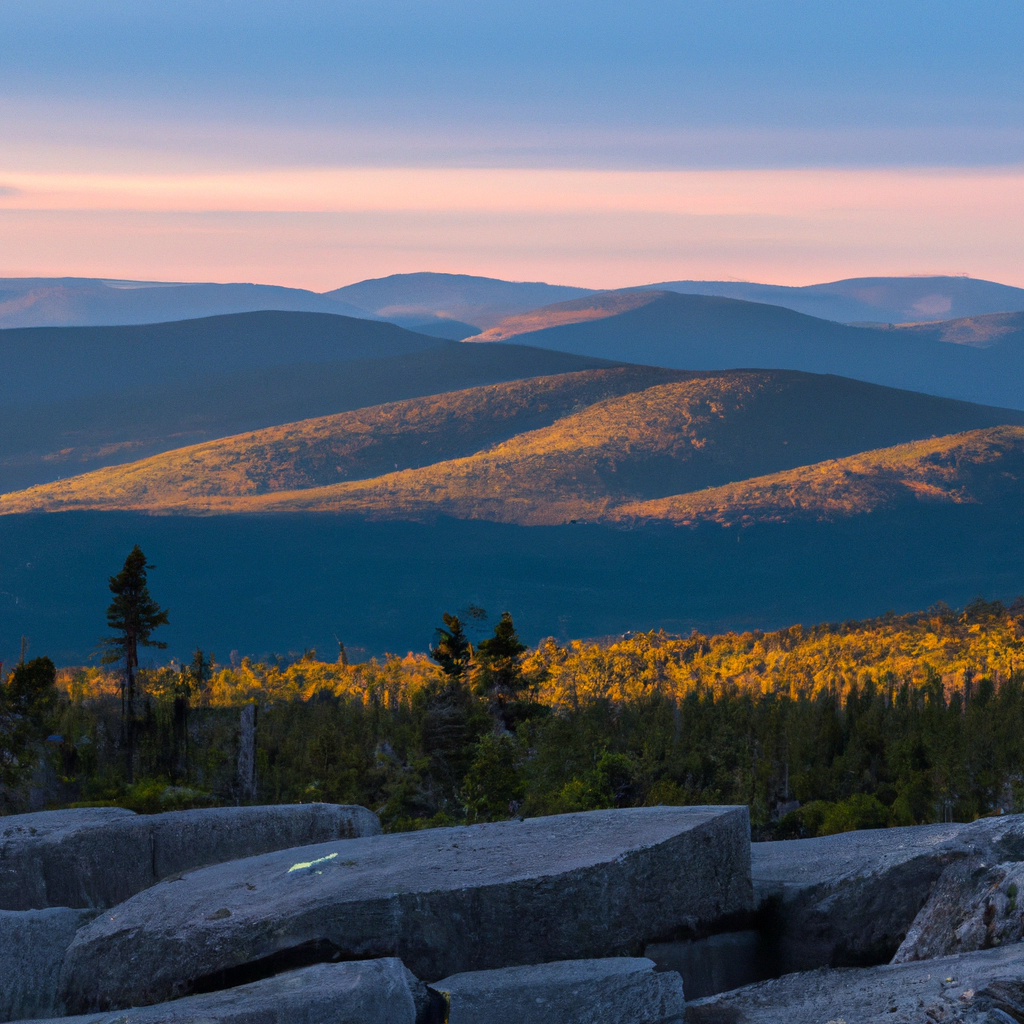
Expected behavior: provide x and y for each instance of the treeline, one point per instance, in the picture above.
(900, 720)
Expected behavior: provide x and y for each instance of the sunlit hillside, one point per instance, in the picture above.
(352, 445)
(973, 467)
(575, 311)
(544, 451)
(984, 331)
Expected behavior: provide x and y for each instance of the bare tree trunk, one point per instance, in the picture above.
(247, 755)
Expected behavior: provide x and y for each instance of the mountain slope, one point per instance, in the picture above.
(987, 331)
(879, 299)
(542, 451)
(412, 298)
(83, 302)
(47, 364)
(596, 306)
(48, 441)
(699, 332)
(977, 467)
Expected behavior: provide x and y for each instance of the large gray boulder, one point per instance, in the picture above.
(622, 990)
(986, 987)
(367, 992)
(973, 906)
(449, 900)
(186, 840)
(850, 899)
(90, 857)
(32, 948)
(99, 857)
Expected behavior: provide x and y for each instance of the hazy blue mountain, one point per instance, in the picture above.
(475, 300)
(71, 301)
(990, 330)
(446, 304)
(438, 327)
(51, 364)
(871, 299)
(703, 332)
(53, 439)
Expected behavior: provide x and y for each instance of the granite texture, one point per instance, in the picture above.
(446, 901)
(99, 857)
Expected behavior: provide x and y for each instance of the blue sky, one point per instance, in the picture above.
(183, 87)
(639, 84)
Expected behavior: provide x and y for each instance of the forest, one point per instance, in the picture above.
(898, 720)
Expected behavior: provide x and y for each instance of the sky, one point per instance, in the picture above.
(599, 144)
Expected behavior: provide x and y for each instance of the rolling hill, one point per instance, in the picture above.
(412, 299)
(987, 331)
(700, 332)
(51, 364)
(976, 467)
(875, 299)
(84, 302)
(540, 451)
(50, 440)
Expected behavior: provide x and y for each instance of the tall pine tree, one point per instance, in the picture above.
(132, 617)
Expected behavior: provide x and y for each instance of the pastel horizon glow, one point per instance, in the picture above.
(760, 141)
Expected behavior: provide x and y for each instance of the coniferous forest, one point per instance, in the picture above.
(898, 720)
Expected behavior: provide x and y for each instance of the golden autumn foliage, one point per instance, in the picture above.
(390, 683)
(888, 652)
(982, 641)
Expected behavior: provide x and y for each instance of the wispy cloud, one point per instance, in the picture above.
(325, 227)
(8, 190)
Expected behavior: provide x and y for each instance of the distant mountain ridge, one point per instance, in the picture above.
(84, 302)
(870, 299)
(56, 363)
(707, 332)
(410, 298)
(455, 306)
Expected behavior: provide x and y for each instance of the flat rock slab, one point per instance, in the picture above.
(616, 990)
(368, 992)
(32, 948)
(99, 857)
(974, 906)
(447, 900)
(850, 899)
(985, 987)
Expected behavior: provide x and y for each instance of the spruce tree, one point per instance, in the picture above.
(452, 650)
(500, 672)
(132, 617)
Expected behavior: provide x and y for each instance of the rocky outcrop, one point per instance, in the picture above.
(973, 906)
(99, 857)
(368, 992)
(984, 987)
(32, 948)
(622, 990)
(186, 840)
(445, 901)
(851, 899)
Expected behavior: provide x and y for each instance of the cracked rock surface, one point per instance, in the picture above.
(447, 900)
(616, 990)
(985, 987)
(851, 899)
(368, 992)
